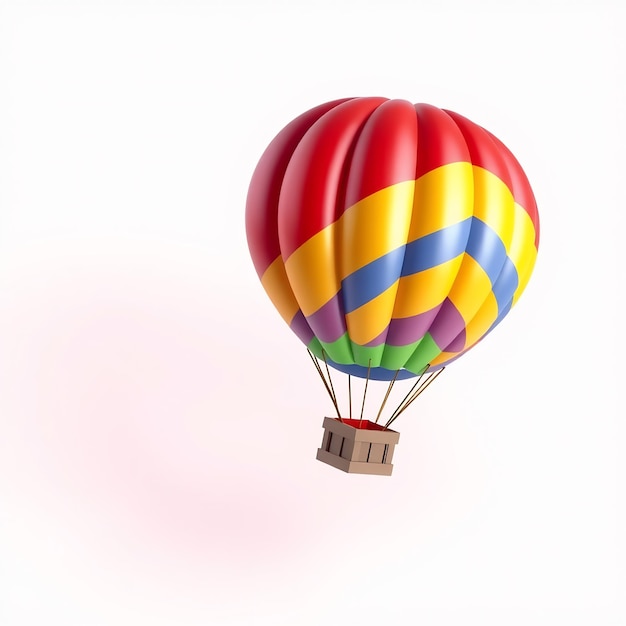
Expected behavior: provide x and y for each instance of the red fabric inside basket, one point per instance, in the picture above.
(362, 424)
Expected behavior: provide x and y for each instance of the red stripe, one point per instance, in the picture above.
(440, 141)
(265, 185)
(308, 198)
(483, 150)
(522, 191)
(385, 152)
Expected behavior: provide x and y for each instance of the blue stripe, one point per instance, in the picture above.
(505, 286)
(372, 279)
(429, 251)
(376, 373)
(437, 248)
(472, 235)
(487, 249)
(501, 316)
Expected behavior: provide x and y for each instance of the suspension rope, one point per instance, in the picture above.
(330, 380)
(382, 406)
(417, 382)
(417, 393)
(319, 371)
(409, 400)
(369, 364)
(350, 394)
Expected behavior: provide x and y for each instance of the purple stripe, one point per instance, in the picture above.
(448, 324)
(458, 343)
(377, 341)
(328, 322)
(300, 326)
(404, 331)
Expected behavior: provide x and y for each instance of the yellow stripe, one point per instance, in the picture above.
(425, 290)
(276, 284)
(482, 321)
(523, 252)
(311, 270)
(494, 204)
(375, 226)
(476, 329)
(527, 270)
(443, 196)
(366, 231)
(369, 320)
(442, 357)
(404, 212)
(440, 198)
(470, 289)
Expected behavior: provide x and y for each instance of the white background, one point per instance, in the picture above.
(158, 422)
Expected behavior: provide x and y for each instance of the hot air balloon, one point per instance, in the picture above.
(391, 237)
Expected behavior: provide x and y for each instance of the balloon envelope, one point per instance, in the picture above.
(390, 236)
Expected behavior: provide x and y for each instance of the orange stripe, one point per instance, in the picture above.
(277, 287)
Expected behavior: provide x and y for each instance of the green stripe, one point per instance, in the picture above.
(415, 357)
(315, 347)
(395, 357)
(340, 351)
(423, 355)
(368, 355)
